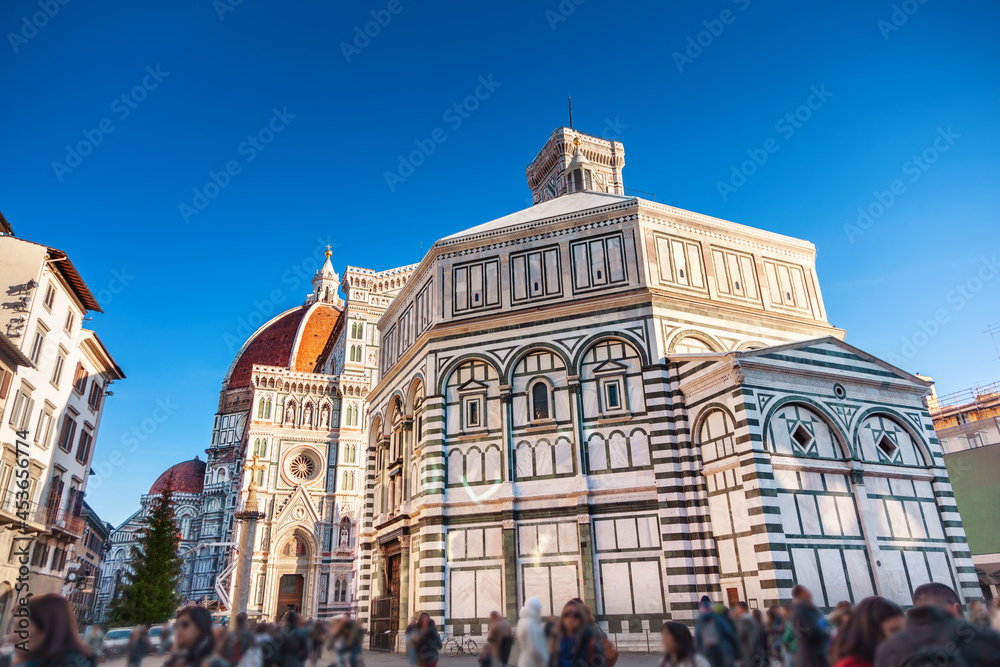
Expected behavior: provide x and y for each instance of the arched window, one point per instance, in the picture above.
(260, 409)
(343, 481)
(539, 401)
(267, 409)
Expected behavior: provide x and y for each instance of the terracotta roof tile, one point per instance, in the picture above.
(315, 335)
(271, 347)
(189, 477)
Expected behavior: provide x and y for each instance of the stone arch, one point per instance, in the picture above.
(301, 536)
(456, 363)
(599, 338)
(714, 445)
(414, 391)
(508, 372)
(706, 339)
(840, 439)
(922, 448)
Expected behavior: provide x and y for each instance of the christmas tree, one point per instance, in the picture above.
(149, 592)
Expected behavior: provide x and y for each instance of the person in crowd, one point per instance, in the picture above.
(978, 614)
(166, 639)
(52, 637)
(239, 640)
(809, 631)
(788, 644)
(500, 637)
(775, 625)
(714, 635)
(348, 642)
(753, 639)
(870, 623)
(678, 647)
(317, 639)
(223, 646)
(550, 626)
(576, 640)
(996, 613)
(410, 637)
(428, 642)
(7, 649)
(138, 646)
(94, 639)
(194, 642)
(261, 648)
(838, 618)
(293, 643)
(935, 633)
(531, 639)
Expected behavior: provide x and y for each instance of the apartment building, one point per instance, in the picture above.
(52, 414)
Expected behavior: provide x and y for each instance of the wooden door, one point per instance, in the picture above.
(289, 594)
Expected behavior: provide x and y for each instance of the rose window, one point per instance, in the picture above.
(302, 467)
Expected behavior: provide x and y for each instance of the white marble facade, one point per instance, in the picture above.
(608, 398)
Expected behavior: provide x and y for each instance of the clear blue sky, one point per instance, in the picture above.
(685, 120)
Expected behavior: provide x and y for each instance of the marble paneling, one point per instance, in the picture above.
(616, 589)
(568, 538)
(564, 456)
(489, 595)
(494, 542)
(858, 573)
(807, 573)
(647, 587)
(463, 594)
(809, 514)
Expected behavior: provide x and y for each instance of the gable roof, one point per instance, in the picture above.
(554, 208)
(827, 355)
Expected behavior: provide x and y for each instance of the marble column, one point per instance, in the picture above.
(404, 583)
(587, 560)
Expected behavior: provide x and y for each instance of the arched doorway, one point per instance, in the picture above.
(291, 568)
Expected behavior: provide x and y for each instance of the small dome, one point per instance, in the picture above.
(189, 477)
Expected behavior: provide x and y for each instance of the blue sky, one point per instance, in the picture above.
(903, 125)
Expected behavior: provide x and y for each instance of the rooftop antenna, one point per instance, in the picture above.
(993, 330)
(570, 112)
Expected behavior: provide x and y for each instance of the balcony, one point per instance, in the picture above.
(64, 521)
(29, 515)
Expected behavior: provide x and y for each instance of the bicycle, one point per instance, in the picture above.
(464, 645)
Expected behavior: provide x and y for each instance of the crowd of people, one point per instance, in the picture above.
(873, 633)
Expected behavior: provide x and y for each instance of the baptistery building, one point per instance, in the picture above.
(608, 398)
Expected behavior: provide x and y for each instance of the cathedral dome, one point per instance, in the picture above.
(296, 339)
(189, 477)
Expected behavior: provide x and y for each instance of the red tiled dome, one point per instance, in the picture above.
(189, 477)
(273, 343)
(312, 341)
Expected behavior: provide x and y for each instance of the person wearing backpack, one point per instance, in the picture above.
(294, 647)
(809, 629)
(935, 634)
(715, 637)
